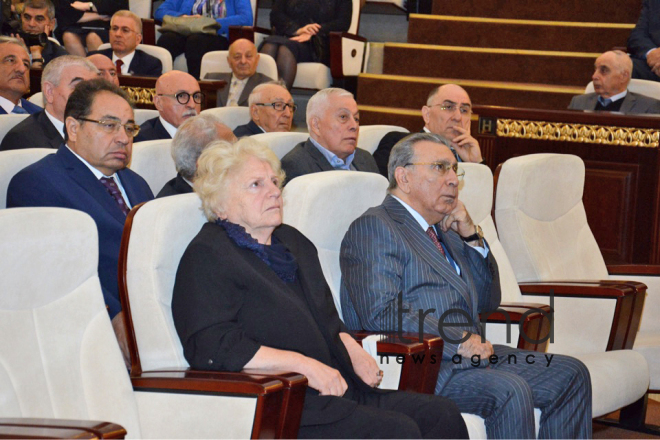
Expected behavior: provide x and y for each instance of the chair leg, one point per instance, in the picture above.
(633, 418)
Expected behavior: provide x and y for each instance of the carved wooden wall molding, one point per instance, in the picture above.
(141, 95)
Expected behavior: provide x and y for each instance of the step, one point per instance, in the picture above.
(606, 11)
(508, 65)
(411, 92)
(517, 34)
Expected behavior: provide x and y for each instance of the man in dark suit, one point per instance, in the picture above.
(45, 129)
(243, 60)
(178, 97)
(271, 110)
(125, 35)
(191, 139)
(107, 70)
(611, 78)
(14, 79)
(417, 262)
(447, 112)
(333, 120)
(89, 173)
(644, 41)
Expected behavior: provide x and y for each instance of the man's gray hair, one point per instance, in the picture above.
(255, 95)
(41, 4)
(191, 138)
(53, 71)
(129, 14)
(12, 40)
(319, 102)
(403, 152)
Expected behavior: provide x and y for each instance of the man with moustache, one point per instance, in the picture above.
(14, 79)
(271, 110)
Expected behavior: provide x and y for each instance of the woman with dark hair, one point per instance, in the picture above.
(301, 32)
(250, 293)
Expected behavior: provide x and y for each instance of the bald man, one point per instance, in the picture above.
(243, 60)
(611, 76)
(271, 110)
(107, 69)
(447, 112)
(178, 97)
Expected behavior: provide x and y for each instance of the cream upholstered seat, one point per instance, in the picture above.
(13, 161)
(538, 204)
(216, 61)
(37, 98)
(7, 122)
(371, 135)
(59, 355)
(281, 143)
(640, 86)
(153, 161)
(155, 51)
(143, 114)
(232, 117)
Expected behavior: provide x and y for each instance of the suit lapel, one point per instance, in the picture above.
(249, 85)
(54, 137)
(628, 103)
(592, 102)
(161, 130)
(134, 62)
(224, 93)
(318, 157)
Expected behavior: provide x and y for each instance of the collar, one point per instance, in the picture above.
(616, 97)
(7, 105)
(59, 125)
(335, 161)
(187, 181)
(126, 59)
(98, 174)
(238, 81)
(416, 215)
(171, 129)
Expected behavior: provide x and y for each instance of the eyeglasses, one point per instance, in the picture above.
(442, 168)
(451, 108)
(280, 106)
(184, 97)
(110, 126)
(123, 30)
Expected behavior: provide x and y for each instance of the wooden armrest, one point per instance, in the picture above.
(59, 428)
(535, 321)
(280, 394)
(633, 269)
(347, 35)
(629, 297)
(148, 31)
(336, 51)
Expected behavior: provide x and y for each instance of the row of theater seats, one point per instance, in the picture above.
(61, 360)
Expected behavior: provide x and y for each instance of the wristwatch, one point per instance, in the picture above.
(478, 235)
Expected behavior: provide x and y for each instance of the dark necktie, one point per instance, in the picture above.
(119, 63)
(113, 189)
(434, 237)
(18, 110)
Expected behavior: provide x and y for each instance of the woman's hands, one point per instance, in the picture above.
(326, 380)
(363, 364)
(306, 32)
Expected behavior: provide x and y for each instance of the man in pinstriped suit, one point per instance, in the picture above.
(417, 256)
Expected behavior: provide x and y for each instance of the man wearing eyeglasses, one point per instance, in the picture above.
(419, 263)
(447, 112)
(89, 173)
(178, 97)
(125, 35)
(271, 110)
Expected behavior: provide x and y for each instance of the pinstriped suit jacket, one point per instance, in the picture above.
(385, 252)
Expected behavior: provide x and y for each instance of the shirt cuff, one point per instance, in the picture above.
(482, 250)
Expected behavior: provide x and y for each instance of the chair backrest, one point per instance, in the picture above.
(355, 18)
(13, 161)
(162, 54)
(7, 122)
(58, 352)
(371, 135)
(542, 222)
(143, 114)
(37, 98)
(160, 232)
(281, 143)
(153, 161)
(216, 61)
(640, 86)
(323, 205)
(141, 8)
(232, 117)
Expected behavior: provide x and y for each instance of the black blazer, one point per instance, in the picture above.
(646, 35)
(151, 130)
(223, 94)
(382, 153)
(142, 64)
(36, 131)
(227, 303)
(175, 187)
(247, 130)
(305, 158)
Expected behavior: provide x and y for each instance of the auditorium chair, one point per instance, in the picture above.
(348, 54)
(639, 86)
(7, 122)
(371, 135)
(37, 98)
(216, 61)
(156, 51)
(60, 358)
(153, 161)
(143, 114)
(232, 117)
(13, 161)
(619, 376)
(155, 236)
(281, 142)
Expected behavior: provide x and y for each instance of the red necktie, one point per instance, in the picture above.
(119, 63)
(434, 237)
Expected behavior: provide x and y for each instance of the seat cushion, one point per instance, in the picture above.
(648, 344)
(313, 76)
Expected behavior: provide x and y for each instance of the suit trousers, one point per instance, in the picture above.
(194, 46)
(506, 393)
(394, 415)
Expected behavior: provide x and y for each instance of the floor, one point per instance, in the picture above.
(652, 418)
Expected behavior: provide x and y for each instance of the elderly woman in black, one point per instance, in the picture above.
(250, 293)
